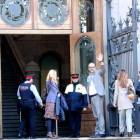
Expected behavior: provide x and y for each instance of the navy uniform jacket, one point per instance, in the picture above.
(76, 98)
(29, 88)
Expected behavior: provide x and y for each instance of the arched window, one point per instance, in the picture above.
(53, 12)
(48, 62)
(14, 12)
(84, 54)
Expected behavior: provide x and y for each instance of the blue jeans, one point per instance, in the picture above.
(50, 125)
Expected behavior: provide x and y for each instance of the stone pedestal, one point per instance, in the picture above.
(33, 68)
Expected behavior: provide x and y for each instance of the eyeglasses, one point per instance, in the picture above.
(91, 67)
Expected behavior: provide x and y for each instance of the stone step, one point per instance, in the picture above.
(86, 138)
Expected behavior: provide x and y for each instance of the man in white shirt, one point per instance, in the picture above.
(28, 93)
(95, 96)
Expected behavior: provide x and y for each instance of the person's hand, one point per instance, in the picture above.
(57, 117)
(59, 95)
(131, 88)
(100, 57)
(84, 109)
(89, 106)
(114, 105)
(41, 106)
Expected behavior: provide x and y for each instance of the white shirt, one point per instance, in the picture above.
(35, 92)
(92, 89)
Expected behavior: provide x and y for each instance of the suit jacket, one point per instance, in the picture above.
(97, 81)
(52, 90)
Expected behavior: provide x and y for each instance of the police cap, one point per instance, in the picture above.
(29, 76)
(74, 76)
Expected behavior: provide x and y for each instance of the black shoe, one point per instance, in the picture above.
(77, 136)
(72, 136)
(129, 134)
(32, 137)
(19, 135)
(94, 136)
(122, 134)
(27, 136)
(101, 135)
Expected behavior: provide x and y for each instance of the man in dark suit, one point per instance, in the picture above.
(76, 98)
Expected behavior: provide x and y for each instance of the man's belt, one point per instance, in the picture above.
(27, 101)
(93, 95)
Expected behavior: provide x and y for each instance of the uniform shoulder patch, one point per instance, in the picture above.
(82, 85)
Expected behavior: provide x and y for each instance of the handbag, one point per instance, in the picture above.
(45, 94)
(131, 93)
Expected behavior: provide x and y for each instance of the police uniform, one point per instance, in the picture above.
(28, 93)
(76, 98)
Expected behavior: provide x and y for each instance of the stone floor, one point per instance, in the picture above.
(87, 138)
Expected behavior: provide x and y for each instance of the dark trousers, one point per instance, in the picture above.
(75, 122)
(28, 112)
(50, 125)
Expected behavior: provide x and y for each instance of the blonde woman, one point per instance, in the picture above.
(125, 104)
(52, 90)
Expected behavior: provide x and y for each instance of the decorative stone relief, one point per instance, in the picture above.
(53, 12)
(15, 12)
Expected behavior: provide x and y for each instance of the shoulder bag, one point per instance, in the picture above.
(131, 92)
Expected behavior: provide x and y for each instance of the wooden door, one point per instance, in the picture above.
(83, 50)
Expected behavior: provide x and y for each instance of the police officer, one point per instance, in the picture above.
(76, 98)
(28, 93)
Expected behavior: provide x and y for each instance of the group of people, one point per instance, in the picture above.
(76, 99)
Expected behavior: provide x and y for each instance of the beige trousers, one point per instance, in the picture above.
(97, 108)
(125, 119)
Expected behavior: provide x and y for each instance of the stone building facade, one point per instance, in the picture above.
(66, 36)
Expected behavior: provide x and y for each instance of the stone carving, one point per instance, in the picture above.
(84, 7)
(15, 12)
(53, 12)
